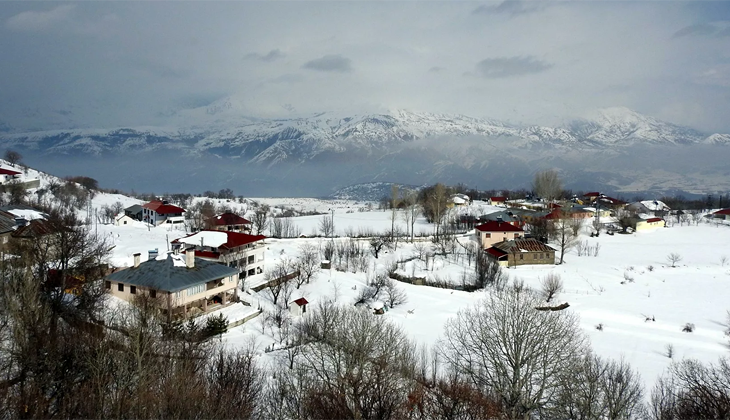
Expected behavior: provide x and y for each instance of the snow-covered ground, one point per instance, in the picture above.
(629, 281)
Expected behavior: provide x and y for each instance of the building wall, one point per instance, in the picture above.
(644, 225)
(178, 298)
(495, 237)
(531, 258)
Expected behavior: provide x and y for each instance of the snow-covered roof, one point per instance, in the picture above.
(27, 214)
(655, 205)
(206, 238)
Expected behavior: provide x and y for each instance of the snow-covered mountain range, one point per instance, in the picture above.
(366, 147)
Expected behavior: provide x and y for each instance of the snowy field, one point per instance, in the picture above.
(629, 281)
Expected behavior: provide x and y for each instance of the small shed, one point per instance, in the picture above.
(122, 219)
(298, 307)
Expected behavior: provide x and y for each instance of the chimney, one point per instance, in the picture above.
(165, 202)
(152, 254)
(190, 258)
(136, 259)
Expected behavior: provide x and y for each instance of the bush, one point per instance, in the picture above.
(688, 327)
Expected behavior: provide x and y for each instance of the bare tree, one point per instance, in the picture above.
(496, 345)
(547, 185)
(673, 258)
(355, 365)
(593, 388)
(394, 296)
(260, 219)
(550, 286)
(488, 271)
(280, 284)
(563, 235)
(692, 390)
(377, 244)
(326, 226)
(12, 157)
(307, 262)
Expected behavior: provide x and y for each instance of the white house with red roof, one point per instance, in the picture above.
(158, 212)
(7, 175)
(495, 231)
(497, 201)
(722, 214)
(234, 249)
(229, 221)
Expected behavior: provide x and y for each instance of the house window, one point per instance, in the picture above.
(251, 259)
(487, 235)
(304, 309)
(251, 272)
(107, 285)
(153, 293)
(120, 287)
(133, 290)
(522, 257)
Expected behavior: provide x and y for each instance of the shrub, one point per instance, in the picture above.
(688, 327)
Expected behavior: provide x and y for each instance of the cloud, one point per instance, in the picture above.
(496, 68)
(269, 57)
(510, 7)
(40, 20)
(718, 29)
(436, 69)
(330, 63)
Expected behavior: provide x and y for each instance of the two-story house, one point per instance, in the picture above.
(494, 231)
(158, 212)
(180, 282)
(239, 250)
(229, 221)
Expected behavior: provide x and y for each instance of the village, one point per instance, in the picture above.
(639, 274)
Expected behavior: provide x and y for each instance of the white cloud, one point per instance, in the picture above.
(40, 20)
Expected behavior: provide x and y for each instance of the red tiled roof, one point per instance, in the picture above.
(496, 252)
(723, 211)
(160, 208)
(592, 194)
(498, 198)
(301, 301)
(237, 239)
(654, 219)
(495, 226)
(234, 239)
(227, 219)
(207, 254)
(4, 171)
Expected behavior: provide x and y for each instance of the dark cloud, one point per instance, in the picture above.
(331, 63)
(136, 63)
(496, 68)
(268, 57)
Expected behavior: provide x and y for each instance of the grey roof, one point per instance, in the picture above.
(136, 208)
(164, 275)
(7, 222)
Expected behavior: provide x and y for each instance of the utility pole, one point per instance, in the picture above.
(333, 222)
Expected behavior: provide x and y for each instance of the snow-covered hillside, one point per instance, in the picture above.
(629, 288)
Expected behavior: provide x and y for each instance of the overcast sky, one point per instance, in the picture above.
(105, 64)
